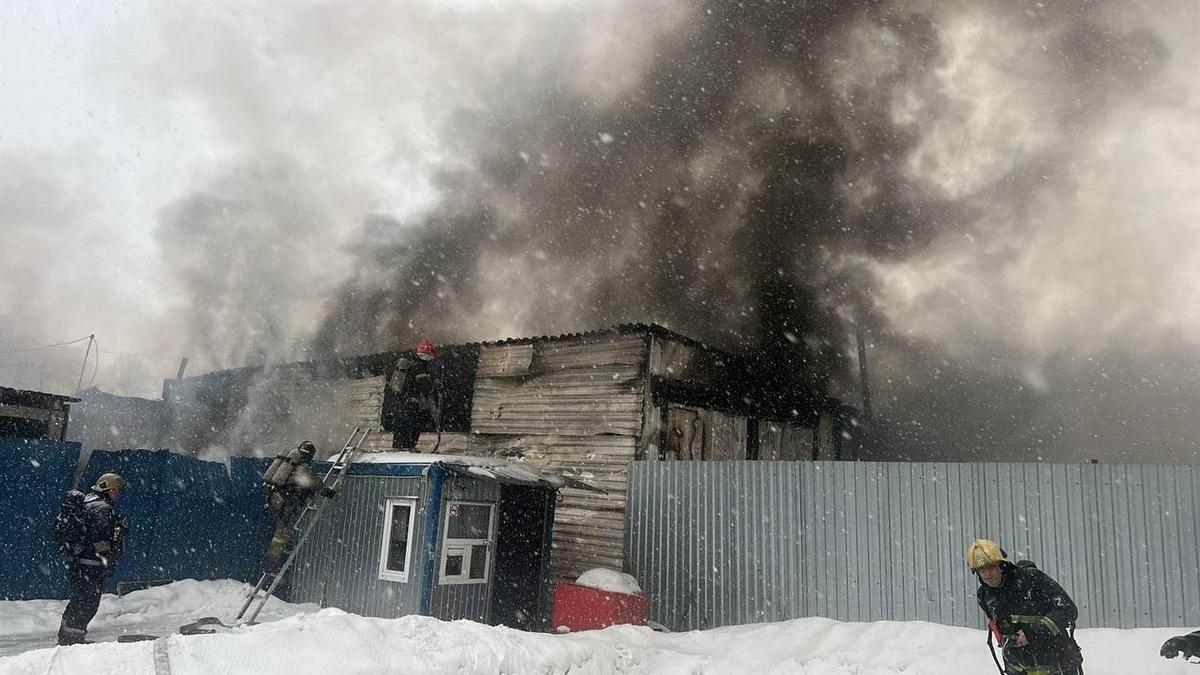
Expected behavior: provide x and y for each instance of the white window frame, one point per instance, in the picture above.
(464, 547)
(388, 505)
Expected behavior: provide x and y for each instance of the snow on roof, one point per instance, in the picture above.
(492, 468)
(419, 458)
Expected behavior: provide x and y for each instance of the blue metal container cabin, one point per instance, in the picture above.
(449, 537)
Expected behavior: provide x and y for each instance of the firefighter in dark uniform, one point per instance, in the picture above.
(290, 484)
(96, 556)
(412, 398)
(1033, 616)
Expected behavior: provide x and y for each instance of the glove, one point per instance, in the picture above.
(328, 492)
(1181, 645)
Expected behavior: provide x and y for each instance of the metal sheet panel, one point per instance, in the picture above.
(339, 564)
(718, 543)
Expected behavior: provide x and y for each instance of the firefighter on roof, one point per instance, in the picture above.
(412, 398)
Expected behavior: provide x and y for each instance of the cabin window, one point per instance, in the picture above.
(396, 552)
(469, 534)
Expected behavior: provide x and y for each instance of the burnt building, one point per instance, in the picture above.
(103, 421)
(585, 404)
(34, 414)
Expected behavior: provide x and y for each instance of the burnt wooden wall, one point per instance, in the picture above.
(263, 412)
(782, 441)
(574, 405)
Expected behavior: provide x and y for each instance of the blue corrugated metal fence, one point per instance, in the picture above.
(188, 518)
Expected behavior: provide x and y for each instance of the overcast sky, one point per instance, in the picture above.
(1010, 204)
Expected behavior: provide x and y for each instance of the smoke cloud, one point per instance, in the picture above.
(999, 192)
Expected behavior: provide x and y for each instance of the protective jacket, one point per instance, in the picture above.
(411, 401)
(1028, 600)
(104, 541)
(301, 484)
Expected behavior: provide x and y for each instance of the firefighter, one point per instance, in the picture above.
(1032, 615)
(290, 483)
(97, 553)
(412, 398)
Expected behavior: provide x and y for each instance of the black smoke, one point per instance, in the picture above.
(769, 174)
(722, 194)
(685, 201)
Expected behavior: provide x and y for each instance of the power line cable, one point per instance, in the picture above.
(141, 356)
(56, 344)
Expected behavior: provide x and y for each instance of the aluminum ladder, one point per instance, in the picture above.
(304, 524)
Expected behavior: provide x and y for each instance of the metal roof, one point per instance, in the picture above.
(389, 356)
(30, 397)
(499, 469)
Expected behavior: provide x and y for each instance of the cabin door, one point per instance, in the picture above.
(521, 585)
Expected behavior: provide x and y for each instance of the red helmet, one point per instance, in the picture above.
(425, 347)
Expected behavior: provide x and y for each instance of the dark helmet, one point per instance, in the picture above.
(307, 451)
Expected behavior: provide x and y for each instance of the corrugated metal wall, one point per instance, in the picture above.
(579, 409)
(719, 543)
(340, 562)
(187, 517)
(36, 473)
(583, 387)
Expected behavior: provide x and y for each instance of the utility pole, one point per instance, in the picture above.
(82, 368)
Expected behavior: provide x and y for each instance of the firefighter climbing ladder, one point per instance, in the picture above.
(304, 525)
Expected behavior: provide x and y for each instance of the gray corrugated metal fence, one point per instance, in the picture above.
(719, 543)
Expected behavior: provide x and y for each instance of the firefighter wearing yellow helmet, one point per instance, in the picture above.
(97, 549)
(1029, 614)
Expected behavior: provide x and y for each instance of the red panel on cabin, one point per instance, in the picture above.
(585, 608)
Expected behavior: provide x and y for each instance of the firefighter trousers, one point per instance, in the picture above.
(87, 585)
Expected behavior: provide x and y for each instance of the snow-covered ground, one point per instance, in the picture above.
(297, 639)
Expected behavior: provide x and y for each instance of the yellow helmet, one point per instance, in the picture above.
(984, 552)
(109, 481)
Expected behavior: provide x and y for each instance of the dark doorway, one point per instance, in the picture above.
(521, 587)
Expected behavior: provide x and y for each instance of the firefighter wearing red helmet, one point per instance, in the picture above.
(412, 398)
